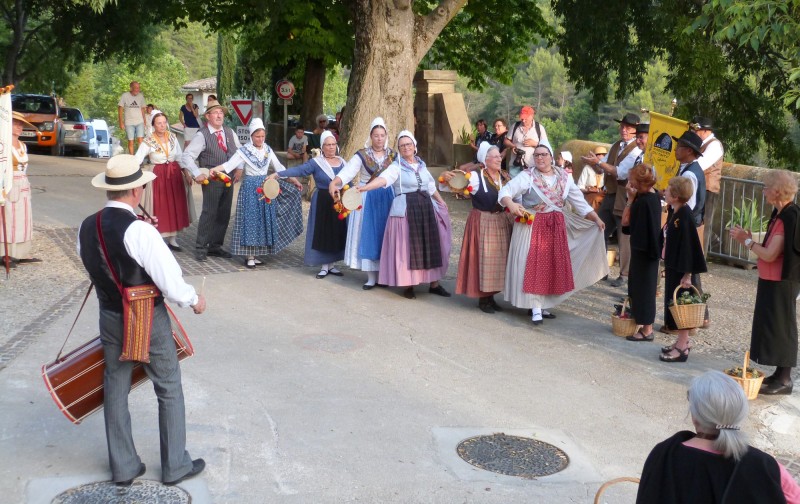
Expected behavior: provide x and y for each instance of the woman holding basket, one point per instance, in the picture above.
(683, 256)
(774, 336)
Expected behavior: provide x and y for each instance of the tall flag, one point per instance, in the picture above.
(661, 147)
(6, 168)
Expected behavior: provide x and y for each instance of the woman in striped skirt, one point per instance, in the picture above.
(484, 250)
(416, 243)
(262, 227)
(546, 264)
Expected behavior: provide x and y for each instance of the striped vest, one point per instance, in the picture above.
(212, 155)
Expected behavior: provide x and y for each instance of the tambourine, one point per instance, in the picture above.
(348, 201)
(459, 182)
(222, 177)
(527, 218)
(269, 190)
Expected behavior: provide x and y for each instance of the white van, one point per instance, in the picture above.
(103, 138)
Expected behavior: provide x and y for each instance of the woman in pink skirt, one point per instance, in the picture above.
(416, 243)
(545, 263)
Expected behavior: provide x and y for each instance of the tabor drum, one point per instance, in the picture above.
(270, 190)
(459, 181)
(75, 381)
(351, 199)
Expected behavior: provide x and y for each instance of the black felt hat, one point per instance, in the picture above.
(629, 119)
(701, 123)
(690, 139)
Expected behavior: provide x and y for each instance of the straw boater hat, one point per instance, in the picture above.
(214, 104)
(600, 150)
(122, 172)
(21, 118)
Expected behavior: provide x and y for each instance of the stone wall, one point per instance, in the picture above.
(440, 116)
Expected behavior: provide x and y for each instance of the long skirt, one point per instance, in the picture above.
(263, 228)
(548, 270)
(326, 235)
(19, 219)
(773, 341)
(642, 287)
(587, 253)
(169, 198)
(396, 256)
(365, 230)
(672, 279)
(147, 202)
(484, 253)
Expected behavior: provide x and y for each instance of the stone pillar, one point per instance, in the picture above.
(440, 116)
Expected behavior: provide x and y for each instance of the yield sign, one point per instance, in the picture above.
(243, 109)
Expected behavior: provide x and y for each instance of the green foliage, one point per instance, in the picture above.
(335, 91)
(558, 132)
(464, 136)
(195, 47)
(688, 298)
(226, 66)
(748, 216)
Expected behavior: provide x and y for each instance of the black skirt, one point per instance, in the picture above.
(642, 284)
(773, 341)
(423, 232)
(330, 233)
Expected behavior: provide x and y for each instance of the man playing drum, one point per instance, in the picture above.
(120, 252)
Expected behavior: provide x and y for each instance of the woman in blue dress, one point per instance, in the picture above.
(326, 234)
(262, 228)
(365, 227)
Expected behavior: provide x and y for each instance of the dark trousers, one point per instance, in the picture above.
(216, 214)
(165, 372)
(606, 214)
(708, 218)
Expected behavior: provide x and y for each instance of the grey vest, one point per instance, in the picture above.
(212, 155)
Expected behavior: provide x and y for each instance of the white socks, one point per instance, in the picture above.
(372, 277)
(537, 314)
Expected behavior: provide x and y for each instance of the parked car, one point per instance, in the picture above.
(75, 131)
(43, 112)
(103, 138)
(92, 140)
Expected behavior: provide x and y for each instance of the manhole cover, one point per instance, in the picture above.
(140, 492)
(513, 455)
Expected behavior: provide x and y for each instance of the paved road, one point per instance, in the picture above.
(314, 391)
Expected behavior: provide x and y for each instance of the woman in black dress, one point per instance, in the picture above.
(774, 336)
(683, 256)
(641, 220)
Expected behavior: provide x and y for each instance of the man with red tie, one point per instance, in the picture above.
(213, 145)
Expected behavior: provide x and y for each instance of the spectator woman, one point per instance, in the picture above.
(642, 221)
(773, 340)
(498, 139)
(416, 243)
(683, 256)
(261, 227)
(714, 464)
(18, 229)
(484, 135)
(326, 235)
(484, 250)
(168, 199)
(365, 227)
(545, 264)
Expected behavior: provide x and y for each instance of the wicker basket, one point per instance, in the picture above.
(751, 386)
(614, 481)
(623, 326)
(687, 316)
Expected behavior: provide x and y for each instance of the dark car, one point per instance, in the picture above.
(43, 112)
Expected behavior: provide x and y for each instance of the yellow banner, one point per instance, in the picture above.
(660, 150)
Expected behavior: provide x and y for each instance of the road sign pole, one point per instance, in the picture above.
(285, 124)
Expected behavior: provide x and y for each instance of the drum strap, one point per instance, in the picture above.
(91, 285)
(138, 303)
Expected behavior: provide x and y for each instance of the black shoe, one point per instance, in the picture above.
(335, 272)
(200, 256)
(485, 306)
(409, 293)
(777, 388)
(682, 356)
(496, 306)
(618, 282)
(30, 260)
(174, 248)
(197, 467)
(537, 322)
(220, 253)
(548, 315)
(250, 264)
(368, 287)
(127, 483)
(439, 291)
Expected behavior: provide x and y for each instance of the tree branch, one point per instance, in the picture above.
(428, 27)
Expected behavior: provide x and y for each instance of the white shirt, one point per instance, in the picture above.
(133, 106)
(588, 178)
(198, 145)
(519, 136)
(354, 166)
(521, 185)
(239, 159)
(147, 248)
(624, 166)
(157, 154)
(712, 154)
(690, 175)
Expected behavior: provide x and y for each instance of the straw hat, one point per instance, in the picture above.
(122, 172)
(21, 118)
(214, 104)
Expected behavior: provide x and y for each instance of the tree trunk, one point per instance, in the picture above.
(16, 45)
(390, 42)
(313, 86)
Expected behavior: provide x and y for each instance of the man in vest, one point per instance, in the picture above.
(616, 165)
(120, 251)
(523, 138)
(711, 163)
(211, 146)
(687, 152)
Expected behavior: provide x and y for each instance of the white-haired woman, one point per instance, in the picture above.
(714, 464)
(484, 249)
(546, 264)
(365, 227)
(261, 227)
(416, 243)
(773, 340)
(326, 234)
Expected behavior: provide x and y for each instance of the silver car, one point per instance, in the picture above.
(75, 131)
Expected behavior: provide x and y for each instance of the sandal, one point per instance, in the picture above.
(322, 273)
(669, 348)
(682, 356)
(640, 336)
